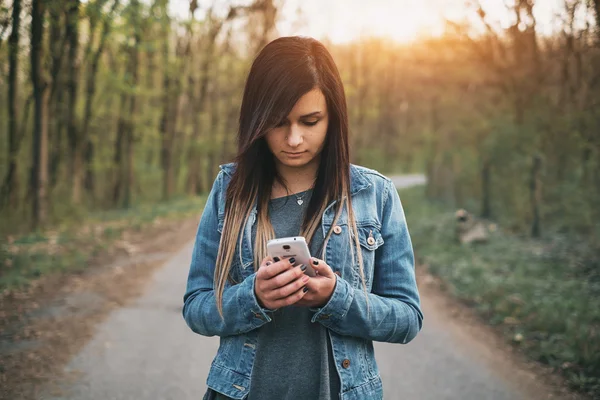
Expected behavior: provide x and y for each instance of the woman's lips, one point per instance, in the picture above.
(294, 155)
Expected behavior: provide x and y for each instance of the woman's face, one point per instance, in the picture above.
(298, 140)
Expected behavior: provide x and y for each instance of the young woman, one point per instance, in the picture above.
(285, 335)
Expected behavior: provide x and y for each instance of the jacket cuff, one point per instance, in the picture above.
(338, 305)
(249, 301)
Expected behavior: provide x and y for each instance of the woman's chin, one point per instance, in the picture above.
(294, 162)
(305, 160)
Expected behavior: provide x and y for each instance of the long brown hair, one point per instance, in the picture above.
(285, 70)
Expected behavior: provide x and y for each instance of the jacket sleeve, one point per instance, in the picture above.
(394, 313)
(241, 310)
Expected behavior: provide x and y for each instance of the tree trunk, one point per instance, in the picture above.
(535, 187)
(87, 146)
(72, 81)
(193, 157)
(40, 131)
(8, 194)
(117, 193)
(89, 181)
(229, 110)
(124, 145)
(55, 137)
(56, 104)
(130, 132)
(168, 120)
(194, 178)
(214, 130)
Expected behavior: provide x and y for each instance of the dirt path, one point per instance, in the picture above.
(144, 351)
(42, 328)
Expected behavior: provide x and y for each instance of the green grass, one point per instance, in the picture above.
(70, 246)
(544, 295)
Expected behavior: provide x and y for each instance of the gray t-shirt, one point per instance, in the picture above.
(293, 359)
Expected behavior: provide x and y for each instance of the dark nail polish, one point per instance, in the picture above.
(305, 289)
(315, 262)
(269, 263)
(276, 259)
(292, 260)
(303, 267)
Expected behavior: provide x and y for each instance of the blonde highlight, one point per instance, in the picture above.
(283, 71)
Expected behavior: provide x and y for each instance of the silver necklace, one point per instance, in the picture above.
(299, 199)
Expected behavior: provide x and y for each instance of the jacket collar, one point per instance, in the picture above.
(358, 181)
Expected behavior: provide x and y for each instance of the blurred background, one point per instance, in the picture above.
(110, 103)
(122, 110)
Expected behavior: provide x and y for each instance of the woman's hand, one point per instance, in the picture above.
(320, 287)
(279, 283)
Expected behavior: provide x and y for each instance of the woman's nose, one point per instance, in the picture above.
(294, 138)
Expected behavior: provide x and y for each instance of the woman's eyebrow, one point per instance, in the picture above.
(312, 114)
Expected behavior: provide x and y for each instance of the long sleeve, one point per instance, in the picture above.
(394, 313)
(241, 310)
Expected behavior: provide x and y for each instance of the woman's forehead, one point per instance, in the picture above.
(309, 103)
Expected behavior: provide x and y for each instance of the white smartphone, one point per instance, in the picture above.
(294, 246)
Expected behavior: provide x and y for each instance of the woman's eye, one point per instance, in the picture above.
(280, 123)
(310, 123)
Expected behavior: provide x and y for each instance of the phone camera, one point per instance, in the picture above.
(286, 247)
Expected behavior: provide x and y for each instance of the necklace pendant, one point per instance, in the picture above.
(300, 201)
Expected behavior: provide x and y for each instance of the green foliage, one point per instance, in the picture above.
(72, 246)
(547, 292)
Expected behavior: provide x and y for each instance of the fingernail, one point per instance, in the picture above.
(276, 259)
(305, 289)
(315, 262)
(269, 263)
(303, 267)
(292, 260)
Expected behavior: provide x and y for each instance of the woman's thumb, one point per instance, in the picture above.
(321, 268)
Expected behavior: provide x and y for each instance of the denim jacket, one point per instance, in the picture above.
(394, 313)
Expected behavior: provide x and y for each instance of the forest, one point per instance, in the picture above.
(107, 103)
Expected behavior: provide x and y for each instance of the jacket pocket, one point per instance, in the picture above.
(224, 356)
(370, 239)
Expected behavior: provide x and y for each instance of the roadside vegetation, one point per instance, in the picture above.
(70, 246)
(543, 294)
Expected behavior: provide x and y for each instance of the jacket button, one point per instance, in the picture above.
(338, 273)
(258, 315)
(346, 363)
(337, 229)
(371, 241)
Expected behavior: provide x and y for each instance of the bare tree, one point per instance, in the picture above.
(72, 34)
(39, 173)
(124, 149)
(9, 187)
(57, 109)
(171, 98)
